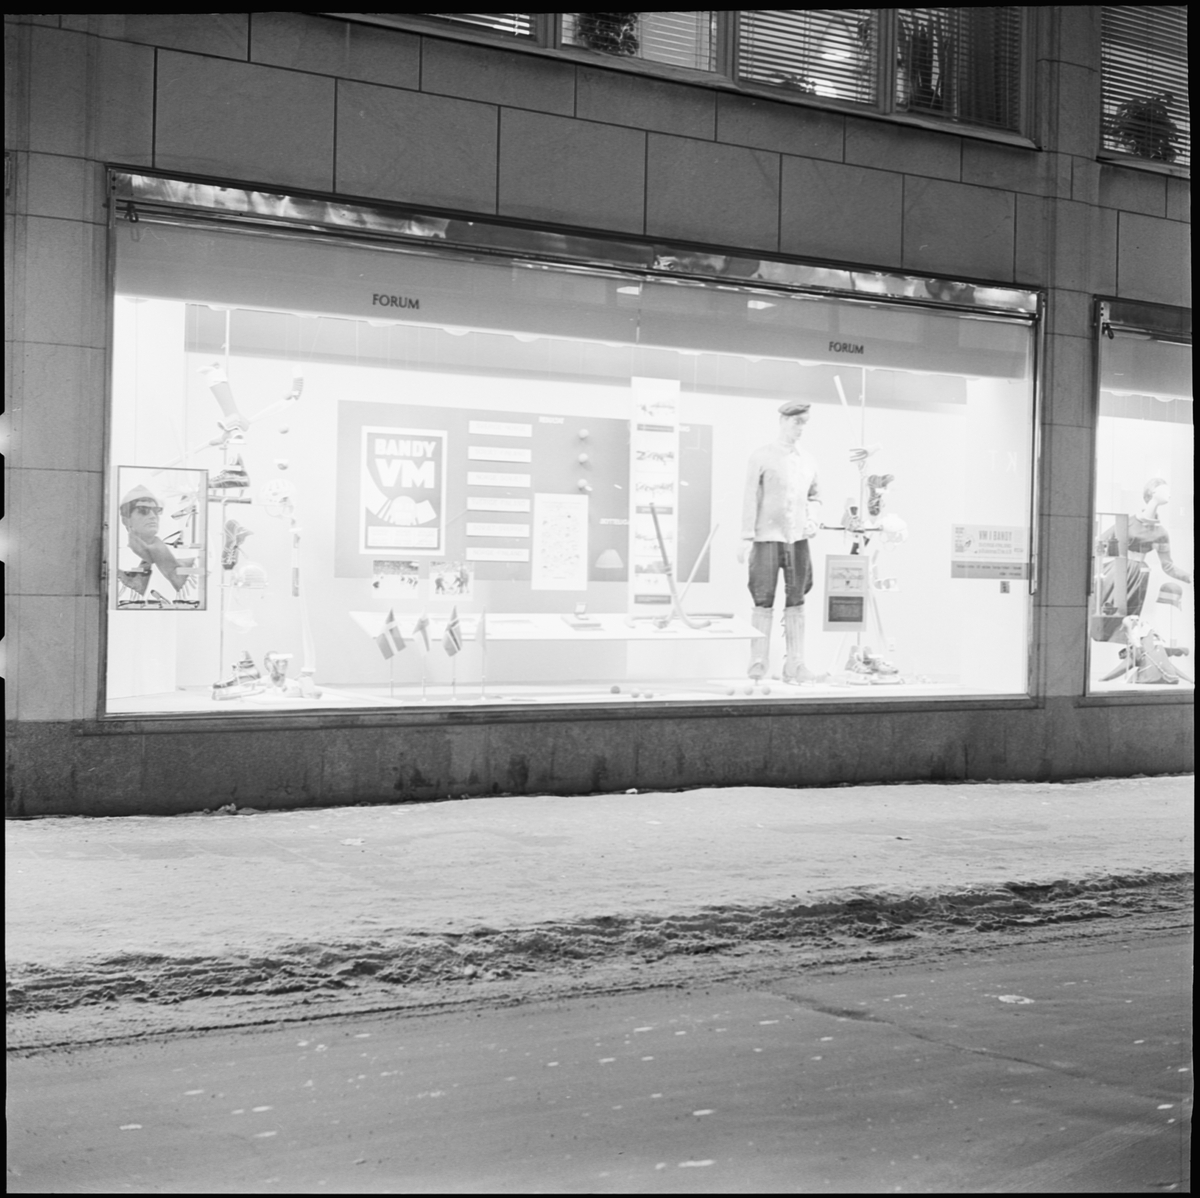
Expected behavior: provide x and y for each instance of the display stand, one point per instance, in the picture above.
(860, 533)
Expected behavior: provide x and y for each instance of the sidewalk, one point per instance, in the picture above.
(150, 906)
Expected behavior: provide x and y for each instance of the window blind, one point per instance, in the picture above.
(1145, 82)
(830, 52)
(960, 63)
(683, 39)
(519, 23)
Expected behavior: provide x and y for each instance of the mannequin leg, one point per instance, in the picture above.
(794, 669)
(760, 648)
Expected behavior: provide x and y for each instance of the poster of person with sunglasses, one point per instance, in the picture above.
(161, 546)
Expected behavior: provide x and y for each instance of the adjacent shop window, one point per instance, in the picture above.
(1141, 622)
(347, 476)
(1145, 81)
(962, 65)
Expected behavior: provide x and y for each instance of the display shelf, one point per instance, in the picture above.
(548, 626)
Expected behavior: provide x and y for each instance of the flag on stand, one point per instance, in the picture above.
(422, 626)
(393, 630)
(391, 640)
(452, 640)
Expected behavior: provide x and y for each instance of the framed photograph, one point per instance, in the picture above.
(451, 580)
(160, 540)
(396, 579)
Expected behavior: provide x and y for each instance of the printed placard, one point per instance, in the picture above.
(499, 428)
(846, 590)
(484, 503)
(560, 543)
(479, 554)
(498, 453)
(989, 551)
(654, 489)
(480, 478)
(402, 490)
(497, 530)
(161, 539)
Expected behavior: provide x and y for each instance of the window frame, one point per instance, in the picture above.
(1154, 322)
(1123, 157)
(547, 43)
(196, 201)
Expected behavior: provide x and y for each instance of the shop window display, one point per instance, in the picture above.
(1141, 623)
(426, 478)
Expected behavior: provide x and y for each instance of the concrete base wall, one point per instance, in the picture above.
(81, 768)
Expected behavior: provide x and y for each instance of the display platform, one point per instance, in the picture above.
(737, 690)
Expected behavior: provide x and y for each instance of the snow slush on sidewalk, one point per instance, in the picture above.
(119, 926)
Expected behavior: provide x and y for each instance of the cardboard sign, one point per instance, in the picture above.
(847, 582)
(402, 490)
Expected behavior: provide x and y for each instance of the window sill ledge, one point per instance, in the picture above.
(125, 725)
(1158, 698)
(1170, 169)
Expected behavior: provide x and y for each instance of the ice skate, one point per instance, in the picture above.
(235, 534)
(232, 478)
(877, 664)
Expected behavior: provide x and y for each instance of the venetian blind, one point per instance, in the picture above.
(519, 23)
(1144, 66)
(960, 63)
(683, 39)
(829, 52)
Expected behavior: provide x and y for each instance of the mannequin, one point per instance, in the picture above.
(1145, 533)
(780, 514)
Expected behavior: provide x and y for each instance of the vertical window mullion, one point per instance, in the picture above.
(548, 29)
(728, 25)
(885, 83)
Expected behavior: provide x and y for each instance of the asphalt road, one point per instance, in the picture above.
(1038, 1068)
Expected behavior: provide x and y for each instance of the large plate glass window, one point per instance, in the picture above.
(1141, 622)
(404, 477)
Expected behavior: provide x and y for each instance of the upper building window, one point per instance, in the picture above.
(522, 24)
(682, 39)
(962, 65)
(831, 53)
(1145, 73)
